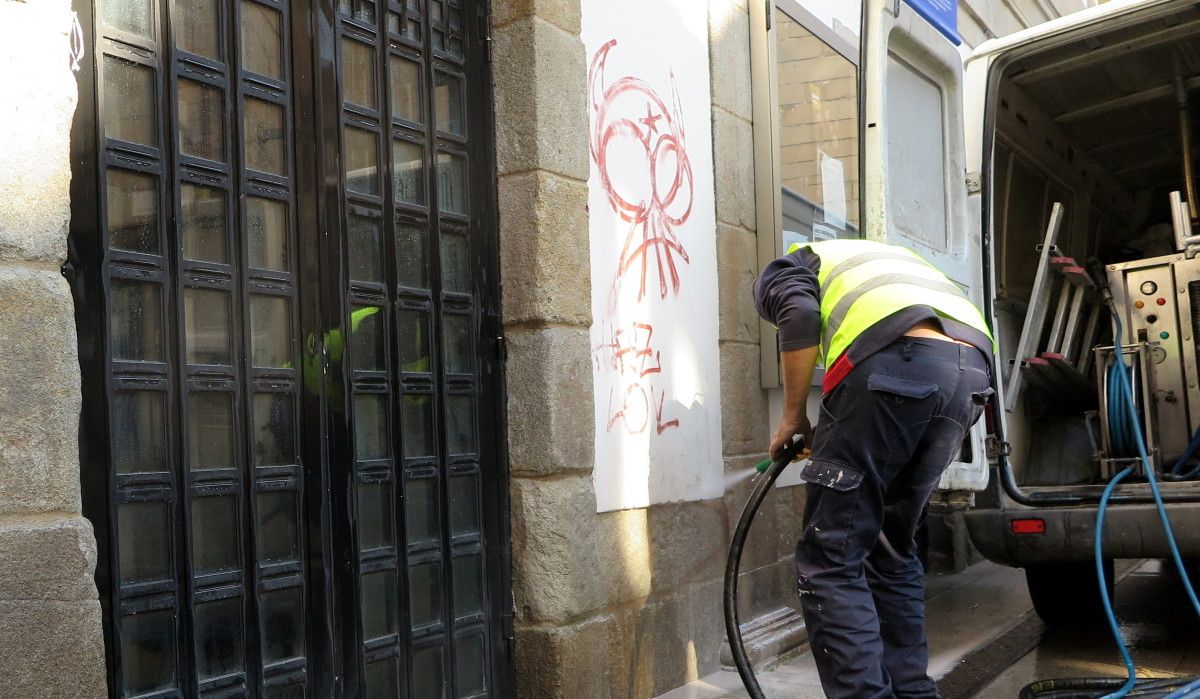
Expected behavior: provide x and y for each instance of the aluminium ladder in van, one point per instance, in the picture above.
(1062, 363)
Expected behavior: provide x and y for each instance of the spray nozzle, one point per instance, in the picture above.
(791, 451)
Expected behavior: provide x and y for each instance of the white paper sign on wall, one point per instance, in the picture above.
(653, 253)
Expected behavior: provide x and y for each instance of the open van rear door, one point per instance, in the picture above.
(913, 168)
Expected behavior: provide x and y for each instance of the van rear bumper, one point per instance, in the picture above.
(1130, 531)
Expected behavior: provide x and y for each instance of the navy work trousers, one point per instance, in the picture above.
(885, 435)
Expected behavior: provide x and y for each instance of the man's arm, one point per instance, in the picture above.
(797, 368)
(787, 294)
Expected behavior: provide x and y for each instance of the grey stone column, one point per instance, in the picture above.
(51, 640)
(615, 604)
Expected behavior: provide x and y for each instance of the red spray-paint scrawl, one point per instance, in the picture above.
(640, 151)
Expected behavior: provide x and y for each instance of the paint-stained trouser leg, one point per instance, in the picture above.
(879, 446)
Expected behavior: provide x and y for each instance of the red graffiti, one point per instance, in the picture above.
(638, 136)
(630, 354)
(634, 410)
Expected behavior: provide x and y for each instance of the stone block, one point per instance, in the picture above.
(789, 513)
(733, 161)
(760, 548)
(550, 419)
(564, 14)
(51, 635)
(729, 55)
(745, 427)
(567, 558)
(737, 268)
(688, 542)
(667, 640)
(35, 127)
(766, 589)
(540, 90)
(51, 649)
(39, 393)
(544, 249)
(565, 661)
(44, 557)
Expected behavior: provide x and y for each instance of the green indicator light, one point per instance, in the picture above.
(1164, 334)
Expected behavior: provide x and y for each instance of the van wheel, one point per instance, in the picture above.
(1067, 594)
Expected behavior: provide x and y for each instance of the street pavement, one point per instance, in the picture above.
(978, 616)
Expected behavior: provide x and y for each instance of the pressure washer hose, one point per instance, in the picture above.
(1125, 429)
(733, 629)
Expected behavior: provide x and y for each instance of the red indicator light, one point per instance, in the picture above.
(1028, 526)
(1160, 301)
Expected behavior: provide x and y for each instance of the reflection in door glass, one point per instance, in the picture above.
(131, 85)
(427, 672)
(408, 173)
(362, 161)
(417, 424)
(264, 136)
(410, 257)
(274, 429)
(456, 263)
(206, 326)
(452, 183)
(262, 40)
(139, 431)
(424, 594)
(370, 426)
(405, 79)
(148, 651)
(375, 514)
(142, 536)
(270, 330)
(365, 249)
(132, 205)
(133, 16)
(266, 229)
(420, 511)
(134, 321)
(201, 120)
(447, 103)
(282, 613)
(198, 27)
(214, 534)
(210, 430)
(219, 640)
(468, 665)
(381, 678)
(202, 222)
(277, 529)
(379, 610)
(818, 129)
(358, 73)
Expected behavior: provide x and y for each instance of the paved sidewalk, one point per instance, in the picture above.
(962, 612)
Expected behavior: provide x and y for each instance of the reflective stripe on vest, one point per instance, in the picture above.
(862, 282)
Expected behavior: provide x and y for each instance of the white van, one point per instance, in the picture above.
(1085, 112)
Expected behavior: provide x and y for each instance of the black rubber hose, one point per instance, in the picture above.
(1095, 687)
(733, 628)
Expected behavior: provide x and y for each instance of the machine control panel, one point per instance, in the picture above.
(1157, 308)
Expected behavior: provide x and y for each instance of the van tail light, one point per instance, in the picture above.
(1028, 526)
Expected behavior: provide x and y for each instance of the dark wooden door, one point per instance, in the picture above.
(283, 253)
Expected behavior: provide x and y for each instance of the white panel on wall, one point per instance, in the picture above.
(653, 253)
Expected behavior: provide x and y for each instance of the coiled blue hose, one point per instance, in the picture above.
(1122, 430)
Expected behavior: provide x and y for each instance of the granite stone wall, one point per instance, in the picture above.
(51, 640)
(628, 603)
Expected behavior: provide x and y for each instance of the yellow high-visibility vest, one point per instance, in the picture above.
(862, 282)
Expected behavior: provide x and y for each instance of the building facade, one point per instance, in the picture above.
(299, 381)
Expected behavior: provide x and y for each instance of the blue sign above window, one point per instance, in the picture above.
(942, 14)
